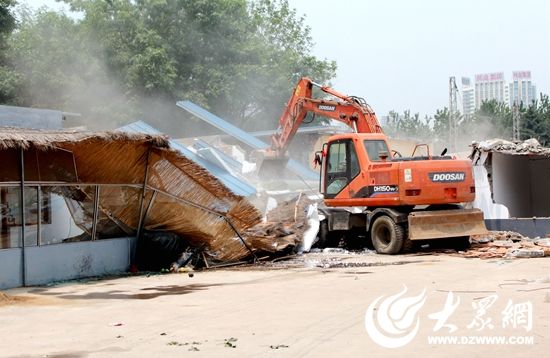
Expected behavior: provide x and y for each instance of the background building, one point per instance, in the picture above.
(491, 86)
(468, 98)
(522, 90)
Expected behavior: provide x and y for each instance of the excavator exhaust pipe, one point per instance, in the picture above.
(440, 224)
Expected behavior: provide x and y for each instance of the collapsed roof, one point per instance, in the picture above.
(528, 147)
(180, 196)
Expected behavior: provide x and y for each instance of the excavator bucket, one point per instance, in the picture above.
(440, 224)
(270, 166)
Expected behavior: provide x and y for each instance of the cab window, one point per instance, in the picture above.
(343, 166)
(374, 147)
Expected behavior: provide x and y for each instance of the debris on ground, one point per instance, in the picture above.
(230, 342)
(506, 244)
(284, 227)
(494, 244)
(278, 346)
(279, 238)
(6, 299)
(291, 210)
(274, 236)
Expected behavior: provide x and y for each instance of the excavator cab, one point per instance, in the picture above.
(340, 167)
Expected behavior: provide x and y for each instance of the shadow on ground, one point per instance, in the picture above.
(143, 294)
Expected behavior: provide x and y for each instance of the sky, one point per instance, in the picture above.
(399, 54)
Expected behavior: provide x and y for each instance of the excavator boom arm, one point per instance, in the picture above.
(352, 111)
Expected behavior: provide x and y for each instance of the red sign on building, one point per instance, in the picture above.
(489, 77)
(521, 75)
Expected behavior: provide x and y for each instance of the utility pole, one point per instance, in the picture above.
(516, 119)
(453, 114)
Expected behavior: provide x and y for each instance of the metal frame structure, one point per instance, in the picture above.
(97, 194)
(453, 114)
(22, 208)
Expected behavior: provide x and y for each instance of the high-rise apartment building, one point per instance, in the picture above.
(491, 86)
(522, 90)
(468, 99)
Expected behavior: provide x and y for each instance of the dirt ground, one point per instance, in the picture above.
(312, 306)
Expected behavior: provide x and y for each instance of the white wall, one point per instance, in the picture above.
(10, 268)
(522, 183)
(484, 197)
(50, 263)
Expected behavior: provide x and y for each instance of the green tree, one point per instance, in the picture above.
(7, 25)
(408, 125)
(544, 113)
(285, 42)
(493, 119)
(62, 69)
(9, 79)
(127, 59)
(465, 129)
(441, 123)
(535, 121)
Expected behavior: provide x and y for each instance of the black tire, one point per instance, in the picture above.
(387, 236)
(326, 238)
(408, 245)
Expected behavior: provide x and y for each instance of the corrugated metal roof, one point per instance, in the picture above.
(243, 136)
(308, 129)
(236, 185)
(23, 117)
(200, 145)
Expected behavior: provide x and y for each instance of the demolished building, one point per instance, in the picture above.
(512, 185)
(73, 203)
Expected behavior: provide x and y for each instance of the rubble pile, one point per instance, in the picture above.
(507, 244)
(274, 236)
(291, 210)
(283, 227)
(529, 146)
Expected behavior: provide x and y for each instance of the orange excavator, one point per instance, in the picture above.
(372, 192)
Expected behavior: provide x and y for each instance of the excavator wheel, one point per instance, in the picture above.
(387, 236)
